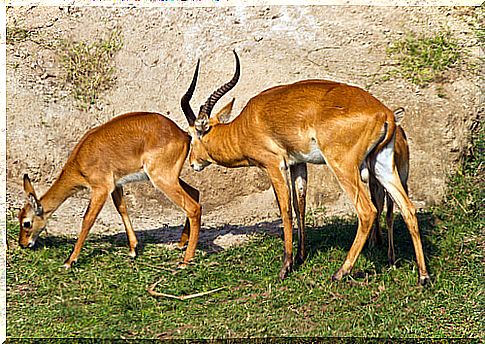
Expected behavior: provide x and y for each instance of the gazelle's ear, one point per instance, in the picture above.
(28, 188)
(223, 115)
(202, 124)
(399, 114)
(35, 204)
(31, 196)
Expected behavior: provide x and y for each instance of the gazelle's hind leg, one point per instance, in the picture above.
(387, 174)
(168, 182)
(377, 196)
(349, 179)
(390, 230)
(298, 175)
(120, 205)
(390, 220)
(194, 193)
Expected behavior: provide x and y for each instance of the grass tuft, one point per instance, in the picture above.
(423, 59)
(89, 67)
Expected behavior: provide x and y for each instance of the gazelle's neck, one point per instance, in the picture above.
(224, 143)
(61, 189)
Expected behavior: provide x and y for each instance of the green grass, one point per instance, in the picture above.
(105, 295)
(423, 59)
(89, 67)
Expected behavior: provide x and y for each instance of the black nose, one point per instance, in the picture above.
(23, 245)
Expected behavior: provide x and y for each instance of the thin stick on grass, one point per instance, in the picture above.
(154, 293)
(156, 267)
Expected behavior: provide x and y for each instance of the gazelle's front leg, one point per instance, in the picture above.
(194, 193)
(279, 179)
(298, 175)
(98, 198)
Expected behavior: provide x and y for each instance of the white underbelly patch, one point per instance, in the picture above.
(313, 156)
(132, 178)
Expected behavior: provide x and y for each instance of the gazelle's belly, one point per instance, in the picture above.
(313, 156)
(132, 178)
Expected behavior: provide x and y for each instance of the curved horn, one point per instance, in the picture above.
(185, 102)
(212, 100)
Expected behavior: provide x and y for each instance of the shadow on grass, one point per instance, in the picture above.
(337, 233)
(164, 235)
(340, 233)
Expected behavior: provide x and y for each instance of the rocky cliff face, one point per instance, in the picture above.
(276, 45)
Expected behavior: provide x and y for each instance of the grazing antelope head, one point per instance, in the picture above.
(31, 217)
(310, 121)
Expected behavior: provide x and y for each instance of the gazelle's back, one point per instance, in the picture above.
(122, 145)
(301, 114)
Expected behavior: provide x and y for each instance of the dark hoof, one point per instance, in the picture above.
(391, 262)
(299, 260)
(339, 275)
(133, 254)
(181, 247)
(182, 265)
(68, 265)
(423, 280)
(139, 249)
(285, 270)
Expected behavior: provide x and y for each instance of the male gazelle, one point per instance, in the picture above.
(377, 192)
(310, 121)
(131, 147)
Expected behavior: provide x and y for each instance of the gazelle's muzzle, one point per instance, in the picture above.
(26, 241)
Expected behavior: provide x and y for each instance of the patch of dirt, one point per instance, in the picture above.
(276, 44)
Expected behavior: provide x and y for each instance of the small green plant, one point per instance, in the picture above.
(424, 59)
(89, 67)
(17, 34)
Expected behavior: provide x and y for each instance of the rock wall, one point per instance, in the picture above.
(276, 45)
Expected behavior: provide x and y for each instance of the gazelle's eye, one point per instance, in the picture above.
(27, 224)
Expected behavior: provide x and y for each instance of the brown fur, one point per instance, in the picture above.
(127, 144)
(345, 123)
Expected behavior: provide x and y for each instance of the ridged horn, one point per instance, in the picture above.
(185, 102)
(221, 91)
